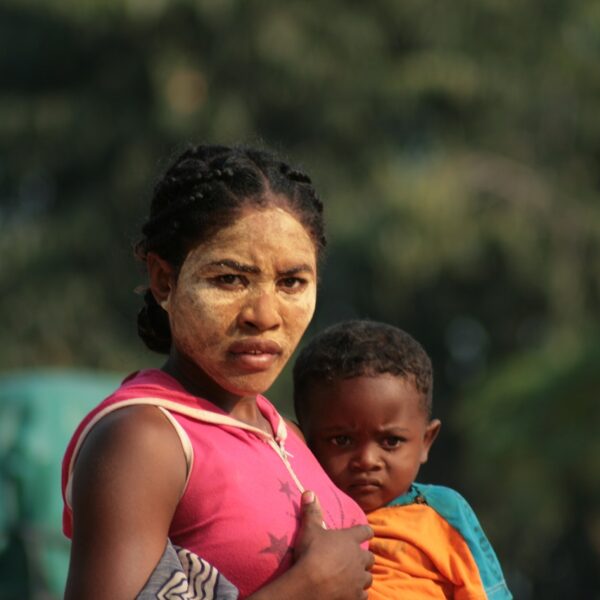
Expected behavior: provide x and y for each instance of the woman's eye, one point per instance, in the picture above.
(292, 284)
(341, 440)
(228, 279)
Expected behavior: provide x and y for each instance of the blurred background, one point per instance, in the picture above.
(456, 146)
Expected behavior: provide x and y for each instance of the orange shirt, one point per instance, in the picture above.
(429, 544)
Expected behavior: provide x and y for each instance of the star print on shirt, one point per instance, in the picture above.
(297, 516)
(341, 515)
(279, 547)
(284, 488)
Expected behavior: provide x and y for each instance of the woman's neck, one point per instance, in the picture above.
(242, 408)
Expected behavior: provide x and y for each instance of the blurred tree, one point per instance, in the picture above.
(531, 430)
(456, 146)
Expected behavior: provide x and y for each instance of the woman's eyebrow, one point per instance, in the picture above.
(235, 265)
(303, 268)
(243, 268)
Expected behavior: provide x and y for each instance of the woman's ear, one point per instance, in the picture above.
(431, 432)
(162, 280)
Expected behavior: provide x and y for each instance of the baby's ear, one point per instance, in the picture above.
(431, 432)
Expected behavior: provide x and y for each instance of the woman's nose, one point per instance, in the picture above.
(261, 312)
(366, 458)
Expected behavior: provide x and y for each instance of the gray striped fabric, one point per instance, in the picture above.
(183, 575)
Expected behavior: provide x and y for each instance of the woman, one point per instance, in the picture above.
(192, 451)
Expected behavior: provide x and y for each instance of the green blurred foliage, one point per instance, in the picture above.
(456, 147)
(39, 410)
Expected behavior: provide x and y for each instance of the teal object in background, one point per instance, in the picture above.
(39, 411)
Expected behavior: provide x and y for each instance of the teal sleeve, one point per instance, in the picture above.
(452, 507)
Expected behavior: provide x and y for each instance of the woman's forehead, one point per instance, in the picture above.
(258, 234)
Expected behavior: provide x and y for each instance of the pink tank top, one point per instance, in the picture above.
(240, 508)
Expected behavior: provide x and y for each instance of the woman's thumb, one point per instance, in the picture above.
(311, 509)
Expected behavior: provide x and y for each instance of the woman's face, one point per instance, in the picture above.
(241, 302)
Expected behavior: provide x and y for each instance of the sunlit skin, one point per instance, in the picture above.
(238, 307)
(370, 434)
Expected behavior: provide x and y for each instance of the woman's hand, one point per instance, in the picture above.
(334, 560)
(329, 563)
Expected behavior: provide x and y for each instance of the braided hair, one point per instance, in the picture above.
(359, 348)
(203, 191)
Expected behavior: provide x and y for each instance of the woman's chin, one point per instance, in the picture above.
(251, 384)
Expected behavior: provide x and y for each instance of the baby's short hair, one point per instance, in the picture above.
(362, 348)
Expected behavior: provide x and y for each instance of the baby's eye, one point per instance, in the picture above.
(342, 441)
(392, 441)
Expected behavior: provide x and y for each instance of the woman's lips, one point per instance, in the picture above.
(255, 355)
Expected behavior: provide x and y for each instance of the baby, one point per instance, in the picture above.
(363, 395)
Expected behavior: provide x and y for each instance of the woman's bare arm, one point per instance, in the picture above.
(128, 478)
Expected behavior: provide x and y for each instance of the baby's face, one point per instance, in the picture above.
(370, 434)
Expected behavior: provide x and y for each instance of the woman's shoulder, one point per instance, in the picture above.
(115, 409)
(130, 439)
(118, 449)
(131, 436)
(131, 428)
(293, 426)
